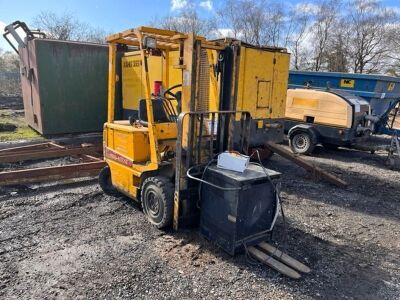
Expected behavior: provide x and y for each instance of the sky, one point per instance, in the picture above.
(113, 15)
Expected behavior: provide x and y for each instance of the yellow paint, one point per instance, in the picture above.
(111, 82)
(262, 83)
(154, 153)
(130, 142)
(133, 88)
(305, 102)
(326, 108)
(124, 178)
(166, 131)
(391, 86)
(347, 83)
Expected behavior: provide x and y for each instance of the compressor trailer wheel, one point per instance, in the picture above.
(301, 142)
(157, 200)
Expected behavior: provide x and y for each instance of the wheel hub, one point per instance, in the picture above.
(301, 142)
(154, 203)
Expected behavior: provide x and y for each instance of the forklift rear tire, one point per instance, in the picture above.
(106, 183)
(301, 142)
(157, 200)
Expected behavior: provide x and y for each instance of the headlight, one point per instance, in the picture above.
(149, 42)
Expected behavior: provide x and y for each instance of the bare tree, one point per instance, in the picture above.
(275, 23)
(322, 30)
(258, 22)
(9, 75)
(252, 21)
(246, 19)
(189, 21)
(9, 61)
(337, 52)
(67, 27)
(231, 18)
(297, 33)
(393, 67)
(369, 35)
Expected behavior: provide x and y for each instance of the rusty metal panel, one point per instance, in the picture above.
(30, 89)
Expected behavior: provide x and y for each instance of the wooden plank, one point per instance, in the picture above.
(51, 173)
(9, 157)
(273, 263)
(306, 165)
(283, 257)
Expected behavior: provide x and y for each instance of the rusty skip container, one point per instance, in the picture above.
(64, 83)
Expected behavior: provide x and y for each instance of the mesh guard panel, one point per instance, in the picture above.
(203, 102)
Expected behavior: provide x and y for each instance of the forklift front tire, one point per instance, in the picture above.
(157, 200)
(106, 183)
(301, 142)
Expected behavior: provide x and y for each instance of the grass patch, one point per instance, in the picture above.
(22, 131)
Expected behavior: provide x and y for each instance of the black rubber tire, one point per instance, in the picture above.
(106, 183)
(330, 146)
(157, 197)
(301, 143)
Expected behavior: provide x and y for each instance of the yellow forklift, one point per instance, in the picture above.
(168, 157)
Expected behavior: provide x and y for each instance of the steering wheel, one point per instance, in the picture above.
(169, 93)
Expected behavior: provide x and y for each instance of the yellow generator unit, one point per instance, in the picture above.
(257, 77)
(260, 87)
(327, 117)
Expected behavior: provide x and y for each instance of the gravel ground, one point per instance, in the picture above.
(72, 241)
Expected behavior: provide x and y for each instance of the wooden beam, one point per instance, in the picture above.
(273, 263)
(283, 257)
(306, 165)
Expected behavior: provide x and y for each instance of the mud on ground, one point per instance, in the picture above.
(72, 241)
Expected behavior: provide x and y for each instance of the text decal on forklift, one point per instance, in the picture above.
(117, 157)
(132, 64)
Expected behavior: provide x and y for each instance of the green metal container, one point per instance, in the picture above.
(64, 85)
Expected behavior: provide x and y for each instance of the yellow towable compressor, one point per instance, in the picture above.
(327, 117)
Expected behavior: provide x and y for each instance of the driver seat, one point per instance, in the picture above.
(159, 113)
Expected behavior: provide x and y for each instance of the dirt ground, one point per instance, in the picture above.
(70, 241)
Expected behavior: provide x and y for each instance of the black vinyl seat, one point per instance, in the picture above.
(159, 113)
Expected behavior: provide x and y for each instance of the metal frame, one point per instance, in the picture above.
(11, 29)
(202, 149)
(90, 155)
